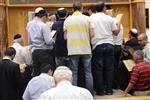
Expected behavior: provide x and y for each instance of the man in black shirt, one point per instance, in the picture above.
(60, 47)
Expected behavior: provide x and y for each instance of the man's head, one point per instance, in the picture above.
(77, 6)
(138, 55)
(62, 73)
(133, 33)
(142, 39)
(100, 7)
(61, 12)
(41, 13)
(10, 52)
(91, 9)
(18, 39)
(47, 68)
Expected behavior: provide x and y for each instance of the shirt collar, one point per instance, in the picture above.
(139, 61)
(76, 13)
(17, 44)
(64, 83)
(6, 57)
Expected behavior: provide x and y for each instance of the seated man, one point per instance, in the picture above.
(140, 77)
(64, 89)
(133, 42)
(39, 84)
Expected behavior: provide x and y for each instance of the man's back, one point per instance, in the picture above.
(39, 34)
(66, 91)
(38, 85)
(23, 55)
(78, 38)
(60, 43)
(103, 26)
(9, 80)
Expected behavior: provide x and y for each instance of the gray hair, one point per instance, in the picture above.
(62, 73)
(140, 54)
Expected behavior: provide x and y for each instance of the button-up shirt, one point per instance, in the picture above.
(37, 86)
(66, 91)
(39, 35)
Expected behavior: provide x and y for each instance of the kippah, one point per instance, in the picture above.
(37, 10)
(134, 31)
(17, 36)
(61, 9)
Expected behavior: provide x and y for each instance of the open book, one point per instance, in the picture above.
(53, 33)
(129, 64)
(119, 17)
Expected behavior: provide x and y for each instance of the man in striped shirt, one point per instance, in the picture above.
(140, 77)
(78, 34)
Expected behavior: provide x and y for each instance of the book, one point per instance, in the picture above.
(53, 33)
(129, 64)
(119, 17)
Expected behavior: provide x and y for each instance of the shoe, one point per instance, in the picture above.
(100, 93)
(109, 92)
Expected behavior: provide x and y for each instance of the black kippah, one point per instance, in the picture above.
(17, 36)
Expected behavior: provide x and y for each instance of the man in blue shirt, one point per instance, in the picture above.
(40, 40)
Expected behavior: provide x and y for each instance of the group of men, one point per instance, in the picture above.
(79, 39)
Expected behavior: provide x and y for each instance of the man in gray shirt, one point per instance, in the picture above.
(40, 40)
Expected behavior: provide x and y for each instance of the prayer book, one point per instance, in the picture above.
(53, 33)
(129, 64)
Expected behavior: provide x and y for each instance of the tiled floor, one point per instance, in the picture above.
(116, 94)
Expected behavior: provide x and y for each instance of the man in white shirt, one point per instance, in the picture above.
(64, 90)
(143, 40)
(23, 54)
(39, 84)
(103, 50)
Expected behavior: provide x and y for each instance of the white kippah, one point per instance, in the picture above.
(38, 9)
(61, 9)
(133, 30)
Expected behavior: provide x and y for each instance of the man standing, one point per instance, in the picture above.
(78, 34)
(23, 55)
(10, 77)
(60, 46)
(103, 50)
(40, 40)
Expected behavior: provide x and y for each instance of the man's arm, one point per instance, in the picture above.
(92, 33)
(117, 30)
(47, 35)
(129, 87)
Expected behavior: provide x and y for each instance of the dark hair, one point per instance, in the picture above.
(77, 6)
(92, 8)
(17, 36)
(100, 6)
(62, 13)
(46, 67)
(41, 13)
(10, 51)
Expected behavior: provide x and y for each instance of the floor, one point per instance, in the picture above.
(116, 94)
